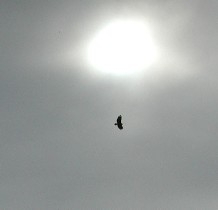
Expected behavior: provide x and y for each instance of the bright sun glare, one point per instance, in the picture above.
(122, 47)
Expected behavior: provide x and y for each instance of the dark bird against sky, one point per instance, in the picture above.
(119, 123)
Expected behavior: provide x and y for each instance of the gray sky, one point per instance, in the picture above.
(59, 148)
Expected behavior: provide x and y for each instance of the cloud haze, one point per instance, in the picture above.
(59, 148)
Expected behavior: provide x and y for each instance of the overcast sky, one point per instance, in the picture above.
(59, 148)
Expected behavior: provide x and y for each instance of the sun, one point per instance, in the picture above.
(122, 47)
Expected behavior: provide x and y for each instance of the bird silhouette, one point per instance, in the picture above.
(119, 123)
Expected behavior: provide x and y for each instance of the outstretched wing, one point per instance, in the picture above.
(119, 120)
(119, 123)
(120, 126)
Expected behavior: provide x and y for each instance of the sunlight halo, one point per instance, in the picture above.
(122, 47)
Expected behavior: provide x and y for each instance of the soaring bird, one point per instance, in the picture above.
(119, 123)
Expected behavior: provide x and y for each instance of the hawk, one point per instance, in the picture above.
(119, 123)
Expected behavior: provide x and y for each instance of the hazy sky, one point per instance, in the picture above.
(59, 148)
